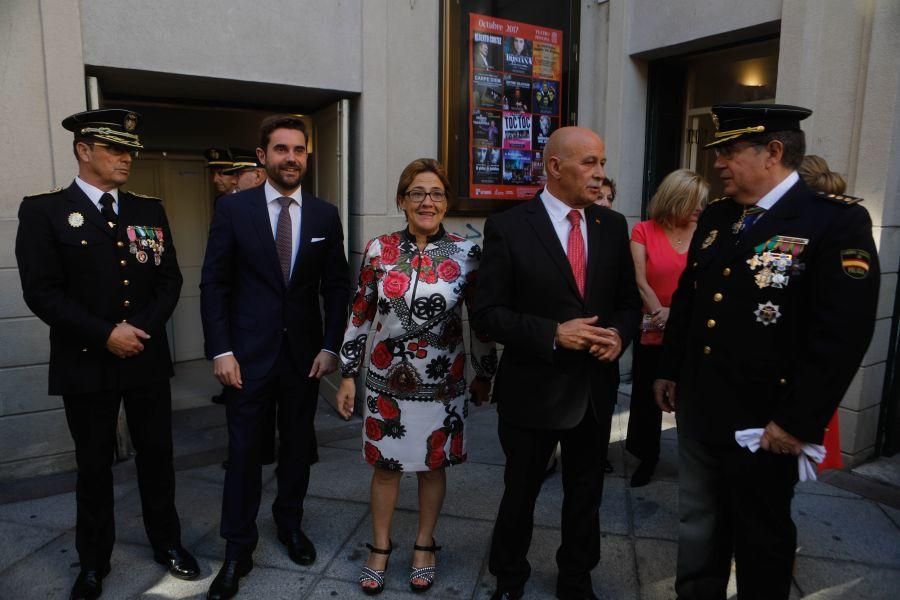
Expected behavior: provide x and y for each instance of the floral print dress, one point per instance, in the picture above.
(415, 390)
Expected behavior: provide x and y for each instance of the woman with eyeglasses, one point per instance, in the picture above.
(412, 285)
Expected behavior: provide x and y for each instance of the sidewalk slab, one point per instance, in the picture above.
(655, 510)
(55, 512)
(328, 523)
(845, 529)
(464, 545)
(21, 540)
(829, 580)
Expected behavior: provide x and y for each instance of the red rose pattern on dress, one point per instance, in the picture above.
(415, 384)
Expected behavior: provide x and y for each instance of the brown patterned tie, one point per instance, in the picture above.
(283, 242)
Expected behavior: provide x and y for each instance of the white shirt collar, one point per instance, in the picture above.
(272, 194)
(94, 193)
(556, 208)
(775, 194)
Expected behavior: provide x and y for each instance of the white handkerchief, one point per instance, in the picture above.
(810, 454)
(314, 240)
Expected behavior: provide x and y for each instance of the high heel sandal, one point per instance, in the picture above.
(426, 573)
(376, 575)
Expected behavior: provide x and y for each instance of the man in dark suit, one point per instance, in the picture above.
(97, 264)
(557, 288)
(272, 251)
(767, 328)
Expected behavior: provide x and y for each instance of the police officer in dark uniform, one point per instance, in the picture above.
(219, 162)
(98, 266)
(768, 326)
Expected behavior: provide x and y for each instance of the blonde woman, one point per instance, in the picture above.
(659, 248)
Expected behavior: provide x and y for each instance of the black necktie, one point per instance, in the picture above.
(106, 202)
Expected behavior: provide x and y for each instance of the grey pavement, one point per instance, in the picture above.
(849, 545)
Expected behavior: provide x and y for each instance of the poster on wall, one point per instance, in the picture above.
(515, 85)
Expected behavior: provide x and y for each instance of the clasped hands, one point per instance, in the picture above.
(582, 334)
(125, 340)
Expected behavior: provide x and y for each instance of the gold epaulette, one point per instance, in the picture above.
(142, 195)
(844, 199)
(55, 190)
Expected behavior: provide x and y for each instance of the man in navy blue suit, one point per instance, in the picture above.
(272, 251)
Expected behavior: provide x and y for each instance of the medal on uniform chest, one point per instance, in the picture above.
(767, 313)
(144, 241)
(76, 219)
(775, 258)
(709, 239)
(141, 256)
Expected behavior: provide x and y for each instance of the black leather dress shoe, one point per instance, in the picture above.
(643, 474)
(88, 584)
(300, 549)
(179, 562)
(225, 585)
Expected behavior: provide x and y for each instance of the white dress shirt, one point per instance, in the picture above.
(775, 194)
(559, 216)
(94, 193)
(272, 196)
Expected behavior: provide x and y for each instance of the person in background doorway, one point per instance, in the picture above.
(246, 167)
(97, 264)
(218, 161)
(659, 249)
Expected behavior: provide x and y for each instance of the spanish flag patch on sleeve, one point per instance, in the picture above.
(855, 263)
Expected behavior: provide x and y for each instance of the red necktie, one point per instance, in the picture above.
(575, 250)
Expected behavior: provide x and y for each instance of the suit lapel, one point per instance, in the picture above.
(82, 204)
(259, 216)
(539, 220)
(595, 223)
(768, 225)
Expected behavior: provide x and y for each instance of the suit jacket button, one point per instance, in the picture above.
(285, 330)
(123, 262)
(707, 350)
(726, 272)
(120, 244)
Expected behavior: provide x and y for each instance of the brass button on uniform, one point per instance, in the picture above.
(782, 381)
(126, 303)
(84, 349)
(126, 282)
(120, 244)
(123, 262)
(726, 272)
(711, 323)
(707, 350)
(84, 242)
(717, 297)
(694, 264)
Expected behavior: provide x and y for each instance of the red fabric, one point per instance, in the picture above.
(575, 250)
(832, 445)
(663, 268)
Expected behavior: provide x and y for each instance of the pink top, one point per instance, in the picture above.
(664, 267)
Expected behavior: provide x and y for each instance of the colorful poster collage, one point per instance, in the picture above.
(515, 89)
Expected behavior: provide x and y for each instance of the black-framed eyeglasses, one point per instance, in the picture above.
(417, 196)
(728, 151)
